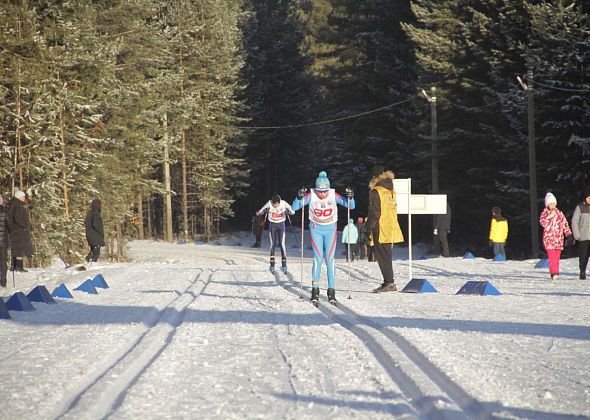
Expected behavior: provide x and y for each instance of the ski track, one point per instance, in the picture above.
(432, 408)
(105, 393)
(424, 387)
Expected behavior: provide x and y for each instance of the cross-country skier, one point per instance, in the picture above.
(323, 215)
(277, 211)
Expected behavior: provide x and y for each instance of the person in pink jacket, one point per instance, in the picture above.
(555, 227)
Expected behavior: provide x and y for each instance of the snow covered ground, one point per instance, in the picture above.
(205, 331)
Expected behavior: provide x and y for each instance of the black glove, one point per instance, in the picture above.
(570, 241)
(349, 192)
(302, 191)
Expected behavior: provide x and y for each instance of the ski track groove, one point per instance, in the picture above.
(133, 362)
(465, 401)
(469, 406)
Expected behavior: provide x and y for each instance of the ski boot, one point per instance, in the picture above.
(272, 265)
(284, 265)
(315, 296)
(332, 296)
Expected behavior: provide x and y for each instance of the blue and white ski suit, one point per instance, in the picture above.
(323, 215)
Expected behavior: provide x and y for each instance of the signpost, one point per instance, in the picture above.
(408, 203)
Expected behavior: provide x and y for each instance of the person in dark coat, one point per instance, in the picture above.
(94, 230)
(442, 227)
(258, 222)
(3, 243)
(19, 227)
(362, 243)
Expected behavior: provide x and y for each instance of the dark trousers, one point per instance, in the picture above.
(444, 243)
(362, 250)
(93, 254)
(382, 253)
(3, 266)
(353, 251)
(583, 255)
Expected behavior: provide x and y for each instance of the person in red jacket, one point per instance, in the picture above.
(555, 227)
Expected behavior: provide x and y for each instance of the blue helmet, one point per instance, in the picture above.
(322, 182)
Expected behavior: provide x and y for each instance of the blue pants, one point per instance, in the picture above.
(323, 241)
(499, 248)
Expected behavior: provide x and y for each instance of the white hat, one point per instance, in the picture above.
(19, 194)
(550, 198)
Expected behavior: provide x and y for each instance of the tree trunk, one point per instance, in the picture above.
(140, 233)
(150, 231)
(168, 196)
(64, 172)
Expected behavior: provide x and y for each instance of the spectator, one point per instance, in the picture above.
(94, 230)
(554, 228)
(442, 227)
(498, 232)
(3, 244)
(382, 226)
(19, 227)
(361, 248)
(581, 231)
(258, 222)
(350, 236)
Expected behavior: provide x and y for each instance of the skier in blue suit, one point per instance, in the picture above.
(322, 202)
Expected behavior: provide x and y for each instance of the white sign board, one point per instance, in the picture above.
(410, 204)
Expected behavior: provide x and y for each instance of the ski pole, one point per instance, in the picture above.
(348, 243)
(302, 232)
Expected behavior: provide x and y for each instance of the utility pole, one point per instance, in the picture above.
(528, 87)
(433, 137)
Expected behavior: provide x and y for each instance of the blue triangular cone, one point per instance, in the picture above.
(100, 282)
(4, 314)
(468, 256)
(544, 263)
(40, 294)
(499, 258)
(19, 302)
(87, 287)
(419, 286)
(482, 288)
(62, 291)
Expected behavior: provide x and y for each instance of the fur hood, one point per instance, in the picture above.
(386, 176)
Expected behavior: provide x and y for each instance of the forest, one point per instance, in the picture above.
(184, 117)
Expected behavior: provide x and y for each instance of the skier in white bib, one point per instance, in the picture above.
(277, 211)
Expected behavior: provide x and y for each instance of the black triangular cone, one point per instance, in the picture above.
(19, 302)
(40, 294)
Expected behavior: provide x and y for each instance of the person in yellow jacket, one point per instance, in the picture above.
(498, 232)
(382, 228)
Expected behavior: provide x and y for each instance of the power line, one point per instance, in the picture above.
(330, 121)
(558, 88)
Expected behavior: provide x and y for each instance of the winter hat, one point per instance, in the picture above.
(322, 182)
(550, 198)
(276, 199)
(586, 192)
(377, 170)
(350, 221)
(19, 194)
